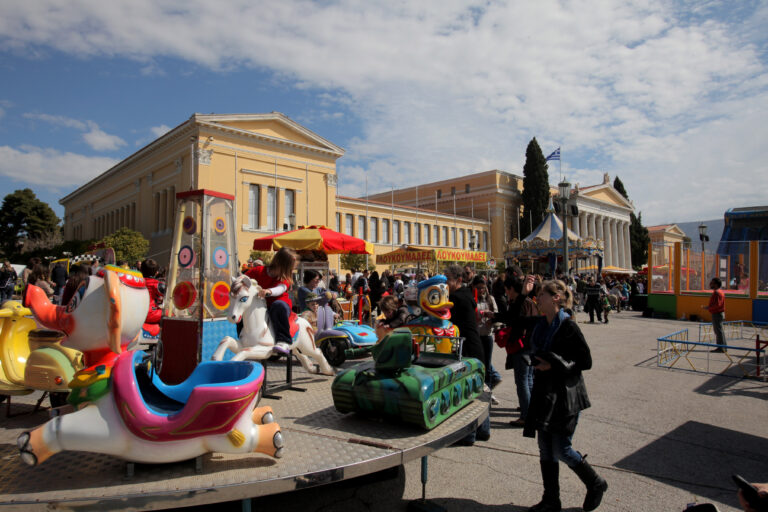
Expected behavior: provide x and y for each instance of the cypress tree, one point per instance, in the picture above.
(535, 188)
(619, 186)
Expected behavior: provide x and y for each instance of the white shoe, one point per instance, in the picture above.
(494, 400)
(282, 348)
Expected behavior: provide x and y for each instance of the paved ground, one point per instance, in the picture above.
(662, 438)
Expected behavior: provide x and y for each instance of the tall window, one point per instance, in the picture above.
(439, 193)
(436, 232)
(426, 235)
(338, 222)
(374, 231)
(485, 241)
(271, 208)
(417, 233)
(290, 208)
(385, 231)
(361, 228)
(396, 232)
(349, 224)
(253, 206)
(466, 188)
(453, 237)
(461, 239)
(444, 236)
(406, 232)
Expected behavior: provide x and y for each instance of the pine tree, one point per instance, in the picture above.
(535, 188)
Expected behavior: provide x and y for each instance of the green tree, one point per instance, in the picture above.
(639, 240)
(24, 217)
(356, 261)
(535, 188)
(619, 186)
(638, 234)
(129, 245)
(264, 256)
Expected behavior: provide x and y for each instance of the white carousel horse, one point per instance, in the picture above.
(257, 339)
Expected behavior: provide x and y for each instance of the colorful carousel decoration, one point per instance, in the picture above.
(545, 244)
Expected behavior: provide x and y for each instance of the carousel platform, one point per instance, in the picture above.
(322, 446)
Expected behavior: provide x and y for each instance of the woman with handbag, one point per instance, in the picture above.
(559, 355)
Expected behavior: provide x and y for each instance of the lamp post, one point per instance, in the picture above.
(704, 238)
(565, 193)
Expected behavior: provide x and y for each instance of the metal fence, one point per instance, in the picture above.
(744, 353)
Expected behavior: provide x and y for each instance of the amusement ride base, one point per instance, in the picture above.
(322, 446)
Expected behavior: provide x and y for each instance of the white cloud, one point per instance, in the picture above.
(159, 131)
(51, 169)
(665, 94)
(94, 136)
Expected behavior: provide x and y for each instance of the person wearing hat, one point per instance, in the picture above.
(312, 305)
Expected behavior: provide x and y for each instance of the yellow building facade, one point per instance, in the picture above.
(281, 175)
(491, 196)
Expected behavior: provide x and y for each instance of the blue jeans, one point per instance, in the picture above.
(555, 447)
(491, 374)
(523, 382)
(484, 430)
(278, 315)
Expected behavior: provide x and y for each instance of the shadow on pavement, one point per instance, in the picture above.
(720, 385)
(700, 458)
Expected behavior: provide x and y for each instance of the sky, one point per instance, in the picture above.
(671, 96)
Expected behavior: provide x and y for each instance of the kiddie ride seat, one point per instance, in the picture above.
(425, 390)
(128, 412)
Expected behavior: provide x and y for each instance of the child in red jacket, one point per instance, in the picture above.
(149, 269)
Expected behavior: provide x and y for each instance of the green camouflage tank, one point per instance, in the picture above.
(426, 391)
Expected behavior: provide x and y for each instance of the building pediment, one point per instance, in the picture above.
(605, 193)
(274, 126)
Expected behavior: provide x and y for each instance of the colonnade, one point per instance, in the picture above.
(111, 221)
(613, 231)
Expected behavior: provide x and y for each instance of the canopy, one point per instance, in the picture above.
(314, 238)
(410, 254)
(608, 269)
(407, 254)
(547, 238)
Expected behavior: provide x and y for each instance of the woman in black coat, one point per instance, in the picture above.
(559, 355)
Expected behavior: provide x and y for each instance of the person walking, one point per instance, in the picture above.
(593, 301)
(559, 355)
(716, 307)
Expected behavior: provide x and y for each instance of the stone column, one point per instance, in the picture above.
(627, 246)
(615, 242)
(620, 245)
(599, 236)
(592, 226)
(583, 230)
(608, 241)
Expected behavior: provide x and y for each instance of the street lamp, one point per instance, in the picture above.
(704, 238)
(565, 193)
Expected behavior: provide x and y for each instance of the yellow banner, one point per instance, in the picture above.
(397, 257)
(459, 255)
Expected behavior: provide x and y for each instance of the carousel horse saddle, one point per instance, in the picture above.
(209, 402)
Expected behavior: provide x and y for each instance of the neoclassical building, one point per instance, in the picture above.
(283, 175)
(604, 214)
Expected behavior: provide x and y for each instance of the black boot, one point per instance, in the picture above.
(550, 502)
(596, 485)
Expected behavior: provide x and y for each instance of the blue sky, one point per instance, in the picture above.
(671, 96)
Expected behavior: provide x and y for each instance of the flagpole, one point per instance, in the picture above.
(366, 224)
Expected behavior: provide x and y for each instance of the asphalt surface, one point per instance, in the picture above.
(663, 438)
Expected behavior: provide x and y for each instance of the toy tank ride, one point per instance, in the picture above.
(423, 388)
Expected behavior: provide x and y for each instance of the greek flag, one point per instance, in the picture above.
(554, 156)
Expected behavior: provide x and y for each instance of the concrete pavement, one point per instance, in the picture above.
(662, 438)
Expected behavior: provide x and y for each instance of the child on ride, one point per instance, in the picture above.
(275, 280)
(149, 268)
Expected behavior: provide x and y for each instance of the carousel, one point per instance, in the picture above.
(544, 247)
